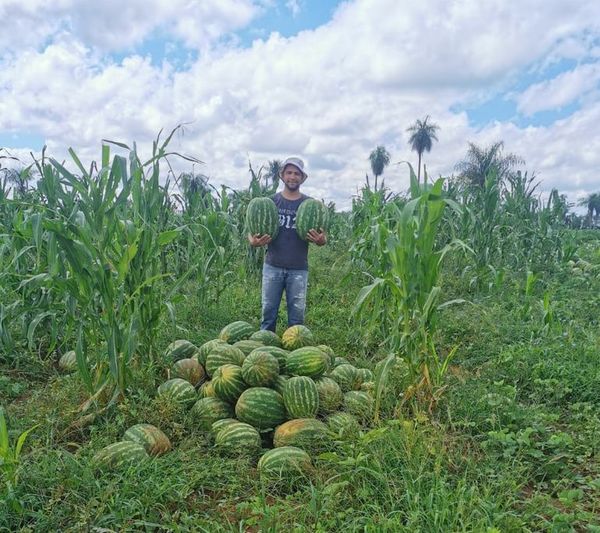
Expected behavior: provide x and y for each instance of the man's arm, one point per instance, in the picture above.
(317, 237)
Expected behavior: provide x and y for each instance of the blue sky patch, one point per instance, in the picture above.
(21, 139)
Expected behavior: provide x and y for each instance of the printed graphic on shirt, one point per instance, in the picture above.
(287, 218)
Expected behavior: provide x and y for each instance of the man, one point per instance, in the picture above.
(286, 262)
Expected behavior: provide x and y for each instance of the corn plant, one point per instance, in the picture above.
(10, 454)
(404, 300)
(108, 223)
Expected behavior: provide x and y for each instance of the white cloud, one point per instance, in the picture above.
(331, 94)
(117, 25)
(560, 91)
(293, 6)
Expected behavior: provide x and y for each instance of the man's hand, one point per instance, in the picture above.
(317, 237)
(259, 240)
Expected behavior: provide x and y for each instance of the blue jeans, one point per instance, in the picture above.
(274, 281)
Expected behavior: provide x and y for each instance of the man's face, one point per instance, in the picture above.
(292, 177)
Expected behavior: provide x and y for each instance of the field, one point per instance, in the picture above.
(494, 426)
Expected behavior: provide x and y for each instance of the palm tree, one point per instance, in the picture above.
(592, 203)
(480, 162)
(421, 139)
(379, 158)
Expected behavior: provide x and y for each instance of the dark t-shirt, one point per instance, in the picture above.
(288, 250)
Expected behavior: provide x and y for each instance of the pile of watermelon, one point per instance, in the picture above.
(251, 390)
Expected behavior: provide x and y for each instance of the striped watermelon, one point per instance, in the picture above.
(365, 375)
(260, 369)
(343, 424)
(311, 214)
(359, 404)
(206, 411)
(329, 353)
(218, 425)
(180, 349)
(340, 361)
(154, 441)
(239, 438)
(247, 345)
(306, 433)
(284, 461)
(301, 397)
(346, 376)
(178, 390)
(228, 383)
(308, 361)
(206, 348)
(399, 372)
(261, 407)
(68, 361)
(279, 384)
(223, 355)
(206, 390)
(330, 395)
(262, 217)
(296, 337)
(119, 454)
(190, 370)
(279, 353)
(236, 331)
(267, 337)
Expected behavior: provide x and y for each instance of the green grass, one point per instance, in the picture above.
(512, 445)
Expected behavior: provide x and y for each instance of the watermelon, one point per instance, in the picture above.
(284, 461)
(398, 372)
(179, 390)
(239, 438)
(119, 454)
(236, 331)
(306, 433)
(343, 424)
(180, 349)
(296, 337)
(279, 353)
(329, 353)
(364, 375)
(340, 361)
(154, 441)
(208, 410)
(346, 376)
(262, 217)
(330, 395)
(260, 369)
(359, 404)
(206, 348)
(68, 361)
(228, 383)
(261, 407)
(301, 397)
(267, 337)
(190, 370)
(218, 425)
(308, 361)
(311, 214)
(279, 384)
(206, 390)
(247, 345)
(223, 355)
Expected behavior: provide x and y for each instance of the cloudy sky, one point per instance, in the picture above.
(328, 80)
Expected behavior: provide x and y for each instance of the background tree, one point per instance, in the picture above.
(479, 162)
(379, 158)
(592, 204)
(421, 139)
